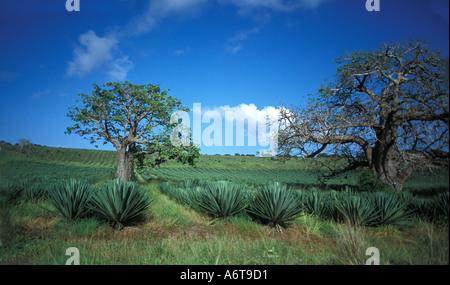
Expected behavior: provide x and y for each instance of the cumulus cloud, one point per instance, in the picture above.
(99, 52)
(95, 52)
(118, 68)
(247, 121)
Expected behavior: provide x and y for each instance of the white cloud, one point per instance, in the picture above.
(244, 34)
(234, 49)
(99, 52)
(245, 120)
(246, 111)
(236, 42)
(118, 69)
(179, 52)
(95, 52)
(158, 10)
(39, 94)
(246, 115)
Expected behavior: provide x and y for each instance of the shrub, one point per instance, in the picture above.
(221, 199)
(367, 182)
(120, 202)
(70, 197)
(274, 204)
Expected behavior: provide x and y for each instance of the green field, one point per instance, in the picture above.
(173, 232)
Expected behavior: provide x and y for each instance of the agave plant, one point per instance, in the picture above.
(358, 210)
(184, 193)
(315, 202)
(274, 204)
(441, 203)
(120, 202)
(420, 207)
(35, 191)
(221, 199)
(391, 209)
(70, 198)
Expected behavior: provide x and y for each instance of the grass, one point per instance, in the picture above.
(171, 233)
(175, 234)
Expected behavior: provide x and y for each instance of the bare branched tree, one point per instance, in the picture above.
(23, 143)
(388, 110)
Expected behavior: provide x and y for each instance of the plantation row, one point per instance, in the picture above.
(63, 155)
(34, 170)
(244, 176)
(276, 204)
(115, 201)
(423, 183)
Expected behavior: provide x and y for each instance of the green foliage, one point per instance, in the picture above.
(185, 193)
(367, 182)
(315, 202)
(274, 204)
(419, 207)
(391, 209)
(138, 120)
(70, 198)
(35, 191)
(11, 191)
(222, 199)
(120, 202)
(357, 210)
(441, 203)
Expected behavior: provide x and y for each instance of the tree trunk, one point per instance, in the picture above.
(125, 164)
(387, 170)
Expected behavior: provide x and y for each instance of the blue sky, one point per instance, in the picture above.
(240, 55)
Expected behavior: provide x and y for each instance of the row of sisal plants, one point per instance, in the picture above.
(276, 204)
(273, 203)
(115, 201)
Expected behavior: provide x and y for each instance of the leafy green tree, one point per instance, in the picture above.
(135, 119)
(388, 110)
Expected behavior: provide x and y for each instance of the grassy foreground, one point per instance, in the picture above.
(174, 234)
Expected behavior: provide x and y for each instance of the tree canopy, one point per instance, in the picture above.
(135, 119)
